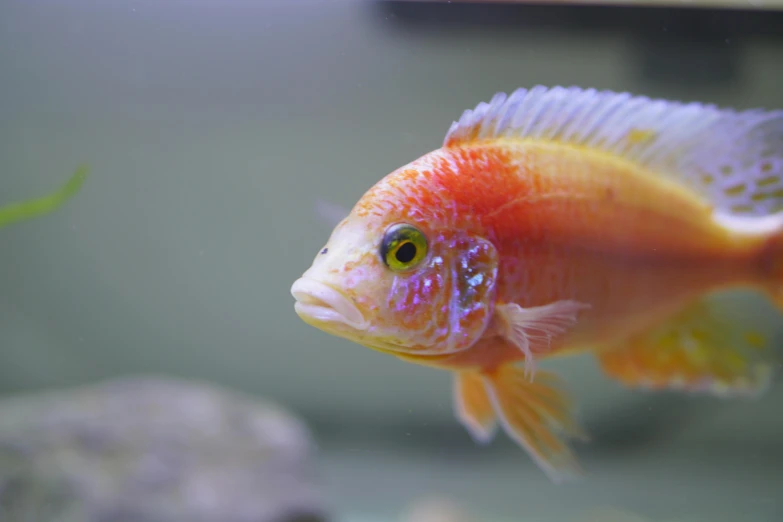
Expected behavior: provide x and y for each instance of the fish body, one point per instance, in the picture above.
(557, 221)
(631, 246)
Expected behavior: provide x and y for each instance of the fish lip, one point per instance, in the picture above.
(323, 303)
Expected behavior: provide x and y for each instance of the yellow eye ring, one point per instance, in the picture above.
(403, 247)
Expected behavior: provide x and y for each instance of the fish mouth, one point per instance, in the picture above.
(321, 303)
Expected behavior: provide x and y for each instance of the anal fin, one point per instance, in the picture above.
(538, 415)
(701, 349)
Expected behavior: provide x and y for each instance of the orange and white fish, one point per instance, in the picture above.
(558, 221)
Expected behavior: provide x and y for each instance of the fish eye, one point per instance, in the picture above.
(403, 247)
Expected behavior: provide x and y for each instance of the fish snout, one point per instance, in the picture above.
(324, 304)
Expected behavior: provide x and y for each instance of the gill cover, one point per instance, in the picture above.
(472, 276)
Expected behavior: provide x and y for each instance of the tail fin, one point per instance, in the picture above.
(765, 233)
(772, 263)
(537, 415)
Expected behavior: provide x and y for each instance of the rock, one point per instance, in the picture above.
(154, 450)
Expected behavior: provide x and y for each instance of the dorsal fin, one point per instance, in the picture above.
(734, 159)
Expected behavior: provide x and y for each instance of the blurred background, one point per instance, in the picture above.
(213, 127)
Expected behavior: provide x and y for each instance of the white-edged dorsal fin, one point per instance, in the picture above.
(732, 158)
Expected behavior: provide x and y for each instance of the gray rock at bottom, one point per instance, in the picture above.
(154, 450)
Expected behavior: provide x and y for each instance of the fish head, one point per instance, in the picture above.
(400, 280)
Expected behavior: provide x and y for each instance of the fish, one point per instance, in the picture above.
(43, 205)
(558, 221)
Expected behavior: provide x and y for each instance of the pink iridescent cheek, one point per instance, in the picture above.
(417, 293)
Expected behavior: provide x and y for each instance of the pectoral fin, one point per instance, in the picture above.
(532, 329)
(538, 416)
(701, 349)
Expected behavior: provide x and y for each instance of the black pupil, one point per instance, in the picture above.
(406, 253)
